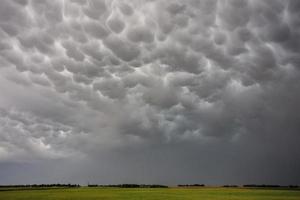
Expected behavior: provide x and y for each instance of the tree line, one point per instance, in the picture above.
(130, 186)
(40, 185)
(139, 186)
(191, 185)
(270, 186)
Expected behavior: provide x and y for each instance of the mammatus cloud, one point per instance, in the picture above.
(151, 82)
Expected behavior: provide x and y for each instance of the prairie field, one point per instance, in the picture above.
(206, 193)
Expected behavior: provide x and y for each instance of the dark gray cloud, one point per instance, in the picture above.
(150, 91)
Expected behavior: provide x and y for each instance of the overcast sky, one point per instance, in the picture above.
(150, 91)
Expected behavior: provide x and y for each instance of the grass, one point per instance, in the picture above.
(206, 193)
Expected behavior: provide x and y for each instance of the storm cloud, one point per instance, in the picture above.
(151, 91)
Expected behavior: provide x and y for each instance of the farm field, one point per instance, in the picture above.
(85, 193)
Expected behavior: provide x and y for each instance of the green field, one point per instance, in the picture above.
(85, 193)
